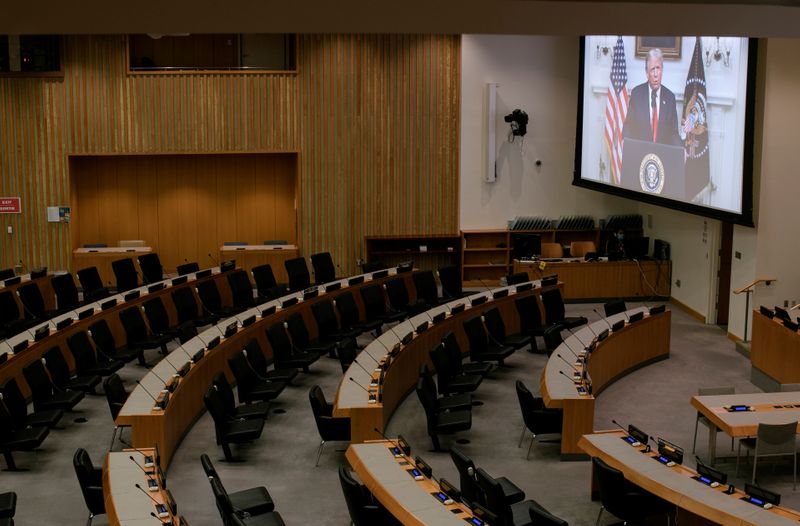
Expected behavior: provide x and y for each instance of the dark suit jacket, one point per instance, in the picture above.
(637, 121)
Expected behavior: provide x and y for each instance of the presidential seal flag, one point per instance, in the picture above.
(694, 125)
(616, 109)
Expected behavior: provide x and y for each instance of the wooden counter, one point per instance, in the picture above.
(774, 350)
(102, 259)
(249, 256)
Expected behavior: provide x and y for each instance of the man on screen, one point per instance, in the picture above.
(652, 114)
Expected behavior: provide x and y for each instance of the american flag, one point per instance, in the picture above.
(616, 109)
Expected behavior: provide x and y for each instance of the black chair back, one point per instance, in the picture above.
(241, 288)
(542, 517)
(38, 381)
(15, 403)
(216, 408)
(280, 342)
(265, 281)
(188, 268)
(246, 377)
(495, 498)
(82, 351)
(185, 305)
(6, 273)
(530, 317)
(517, 278)
(444, 371)
(374, 301)
(299, 278)
(425, 285)
(450, 277)
(209, 295)
(612, 487)
(152, 271)
(9, 309)
(57, 367)
(298, 331)
(134, 325)
(347, 352)
(90, 480)
(614, 307)
(470, 492)
(225, 392)
(102, 337)
(92, 285)
(66, 292)
(31, 298)
(397, 293)
(324, 269)
(116, 395)
(554, 311)
(453, 350)
(494, 324)
(125, 274)
(477, 337)
(325, 316)
(357, 498)
(347, 308)
(156, 314)
(428, 404)
(255, 357)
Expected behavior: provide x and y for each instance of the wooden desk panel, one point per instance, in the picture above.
(697, 503)
(775, 349)
(609, 279)
(249, 257)
(103, 257)
(624, 351)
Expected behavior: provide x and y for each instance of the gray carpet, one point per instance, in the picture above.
(655, 398)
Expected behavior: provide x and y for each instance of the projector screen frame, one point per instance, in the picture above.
(745, 218)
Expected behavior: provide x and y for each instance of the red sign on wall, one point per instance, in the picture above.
(10, 205)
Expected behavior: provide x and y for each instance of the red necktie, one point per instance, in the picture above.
(654, 107)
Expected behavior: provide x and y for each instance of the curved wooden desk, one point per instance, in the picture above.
(249, 256)
(102, 257)
(12, 368)
(400, 379)
(697, 503)
(410, 501)
(636, 345)
(166, 428)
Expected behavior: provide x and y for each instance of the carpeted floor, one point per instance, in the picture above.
(655, 398)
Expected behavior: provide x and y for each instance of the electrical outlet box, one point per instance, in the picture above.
(10, 229)
(677, 283)
(737, 255)
(785, 303)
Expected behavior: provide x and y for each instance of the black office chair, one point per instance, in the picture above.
(92, 285)
(426, 287)
(480, 348)
(536, 417)
(452, 402)
(328, 327)
(496, 328)
(11, 317)
(87, 362)
(116, 396)
(508, 514)
(348, 350)
(375, 305)
(17, 409)
(350, 318)
(299, 278)
(158, 319)
(441, 423)
(241, 289)
(283, 356)
(302, 342)
(137, 334)
(252, 388)
(530, 319)
(330, 428)
(14, 438)
(542, 517)
(255, 356)
(614, 307)
(31, 298)
(266, 285)
(211, 301)
(188, 268)
(252, 501)
(450, 278)
(399, 299)
(517, 278)
(470, 491)
(90, 480)
(324, 269)
(230, 431)
(8, 506)
(44, 393)
(188, 310)
(152, 271)
(449, 381)
(623, 499)
(552, 338)
(125, 274)
(554, 312)
(105, 343)
(456, 358)
(234, 517)
(66, 292)
(373, 266)
(62, 378)
(253, 411)
(6, 273)
(364, 509)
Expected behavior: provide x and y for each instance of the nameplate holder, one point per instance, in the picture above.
(760, 496)
(212, 343)
(269, 311)
(500, 294)
(41, 333)
(202, 274)
(522, 287)
(108, 304)
(231, 329)
(249, 321)
(355, 281)
(62, 324)
(330, 287)
(82, 315)
(21, 346)
(639, 316)
(179, 280)
(132, 295)
(288, 302)
(155, 288)
(478, 301)
(380, 274)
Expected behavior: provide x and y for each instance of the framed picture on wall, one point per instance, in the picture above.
(670, 46)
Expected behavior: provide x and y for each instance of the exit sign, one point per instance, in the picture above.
(10, 205)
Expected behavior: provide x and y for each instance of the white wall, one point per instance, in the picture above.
(538, 75)
(743, 271)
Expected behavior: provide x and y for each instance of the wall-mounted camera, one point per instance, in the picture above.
(518, 120)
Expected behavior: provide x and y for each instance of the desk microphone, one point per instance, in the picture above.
(157, 376)
(144, 471)
(166, 522)
(618, 425)
(140, 384)
(372, 399)
(205, 343)
(571, 379)
(177, 374)
(487, 287)
(159, 506)
(365, 353)
(573, 333)
(148, 459)
(213, 259)
(571, 365)
(371, 383)
(604, 319)
(394, 443)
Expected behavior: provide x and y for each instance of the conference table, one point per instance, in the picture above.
(165, 428)
(773, 352)
(249, 256)
(15, 363)
(635, 345)
(697, 502)
(598, 280)
(102, 257)
(412, 502)
(767, 408)
(127, 505)
(368, 420)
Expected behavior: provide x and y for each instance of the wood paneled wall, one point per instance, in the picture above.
(375, 120)
(184, 206)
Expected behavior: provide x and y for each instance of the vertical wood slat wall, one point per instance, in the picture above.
(375, 119)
